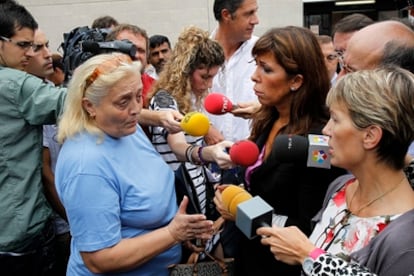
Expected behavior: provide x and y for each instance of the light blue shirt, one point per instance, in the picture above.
(411, 150)
(119, 188)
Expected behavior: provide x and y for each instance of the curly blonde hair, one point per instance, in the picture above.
(193, 50)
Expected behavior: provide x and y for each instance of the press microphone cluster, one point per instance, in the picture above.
(253, 212)
(218, 104)
(250, 212)
(312, 150)
(195, 124)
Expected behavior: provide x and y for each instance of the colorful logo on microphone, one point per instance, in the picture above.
(319, 156)
(320, 139)
(318, 153)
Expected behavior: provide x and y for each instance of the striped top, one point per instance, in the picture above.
(163, 100)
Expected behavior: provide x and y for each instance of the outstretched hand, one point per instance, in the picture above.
(246, 110)
(170, 120)
(288, 244)
(187, 227)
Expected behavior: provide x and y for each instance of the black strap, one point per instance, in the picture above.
(191, 191)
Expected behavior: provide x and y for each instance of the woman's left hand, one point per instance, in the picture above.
(288, 244)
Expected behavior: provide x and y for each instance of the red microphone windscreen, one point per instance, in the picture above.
(244, 153)
(217, 104)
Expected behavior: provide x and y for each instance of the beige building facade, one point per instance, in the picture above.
(167, 17)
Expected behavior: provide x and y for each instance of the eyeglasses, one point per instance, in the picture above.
(330, 232)
(37, 47)
(332, 57)
(24, 45)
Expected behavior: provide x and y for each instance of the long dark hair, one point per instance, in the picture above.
(297, 50)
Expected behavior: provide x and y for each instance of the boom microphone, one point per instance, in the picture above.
(218, 104)
(195, 124)
(244, 153)
(313, 150)
(250, 212)
(123, 46)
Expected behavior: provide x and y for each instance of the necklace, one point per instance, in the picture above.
(373, 200)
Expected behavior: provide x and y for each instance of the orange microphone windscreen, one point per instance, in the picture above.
(232, 196)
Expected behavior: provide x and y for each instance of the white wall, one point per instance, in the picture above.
(166, 17)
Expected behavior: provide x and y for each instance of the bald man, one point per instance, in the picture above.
(371, 46)
(383, 43)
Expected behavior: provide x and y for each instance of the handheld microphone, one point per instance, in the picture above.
(195, 124)
(250, 212)
(218, 104)
(312, 151)
(244, 153)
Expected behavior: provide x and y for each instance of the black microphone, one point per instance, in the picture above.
(123, 46)
(312, 150)
(90, 46)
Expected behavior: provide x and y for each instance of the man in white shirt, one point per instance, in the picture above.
(236, 22)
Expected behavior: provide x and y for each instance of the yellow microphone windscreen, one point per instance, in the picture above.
(195, 124)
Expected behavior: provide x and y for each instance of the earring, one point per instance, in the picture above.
(292, 89)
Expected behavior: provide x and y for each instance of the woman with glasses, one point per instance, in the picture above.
(368, 216)
(117, 191)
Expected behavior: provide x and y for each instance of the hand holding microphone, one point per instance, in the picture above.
(218, 104)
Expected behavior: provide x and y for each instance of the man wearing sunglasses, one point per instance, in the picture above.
(26, 103)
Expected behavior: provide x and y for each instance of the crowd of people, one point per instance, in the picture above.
(92, 169)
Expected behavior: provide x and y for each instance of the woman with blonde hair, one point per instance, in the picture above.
(117, 191)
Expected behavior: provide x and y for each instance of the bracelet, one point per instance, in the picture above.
(190, 155)
(200, 156)
(315, 253)
(188, 152)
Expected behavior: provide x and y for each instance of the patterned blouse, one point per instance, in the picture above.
(340, 232)
(328, 265)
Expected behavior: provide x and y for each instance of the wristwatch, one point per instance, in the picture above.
(307, 265)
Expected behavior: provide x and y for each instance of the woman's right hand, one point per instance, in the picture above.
(185, 227)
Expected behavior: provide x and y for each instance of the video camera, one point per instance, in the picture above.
(82, 43)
